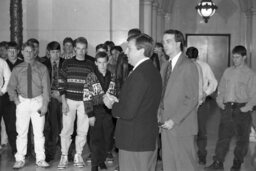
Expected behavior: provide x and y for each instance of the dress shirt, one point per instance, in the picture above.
(238, 84)
(209, 81)
(40, 81)
(174, 60)
(5, 74)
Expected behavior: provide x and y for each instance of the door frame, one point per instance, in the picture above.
(204, 34)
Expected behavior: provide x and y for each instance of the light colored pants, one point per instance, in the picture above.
(26, 110)
(75, 108)
(4, 138)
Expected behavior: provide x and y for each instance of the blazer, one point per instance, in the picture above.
(181, 97)
(136, 128)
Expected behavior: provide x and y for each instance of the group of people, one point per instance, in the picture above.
(124, 99)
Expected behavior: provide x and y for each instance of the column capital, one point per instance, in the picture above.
(155, 5)
(147, 2)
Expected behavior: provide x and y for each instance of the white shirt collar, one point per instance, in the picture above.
(138, 63)
(175, 59)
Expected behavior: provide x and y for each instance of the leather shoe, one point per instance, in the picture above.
(202, 161)
(103, 166)
(94, 168)
(236, 165)
(216, 165)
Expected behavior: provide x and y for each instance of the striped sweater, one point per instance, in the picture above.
(73, 76)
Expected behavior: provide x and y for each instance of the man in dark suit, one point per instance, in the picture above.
(53, 116)
(177, 110)
(136, 130)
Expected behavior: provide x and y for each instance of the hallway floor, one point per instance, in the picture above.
(6, 160)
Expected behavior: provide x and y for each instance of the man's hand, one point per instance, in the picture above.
(65, 107)
(245, 109)
(168, 124)
(222, 106)
(42, 111)
(92, 121)
(17, 102)
(109, 100)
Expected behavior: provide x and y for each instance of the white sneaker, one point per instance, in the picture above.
(42, 163)
(78, 161)
(63, 162)
(18, 164)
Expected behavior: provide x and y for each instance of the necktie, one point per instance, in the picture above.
(167, 74)
(29, 77)
(54, 76)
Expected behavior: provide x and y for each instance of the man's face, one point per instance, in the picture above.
(3, 52)
(81, 50)
(101, 64)
(36, 49)
(170, 45)
(238, 59)
(28, 54)
(132, 52)
(115, 53)
(68, 47)
(12, 54)
(54, 55)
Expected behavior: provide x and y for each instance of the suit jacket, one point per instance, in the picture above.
(48, 64)
(137, 128)
(181, 97)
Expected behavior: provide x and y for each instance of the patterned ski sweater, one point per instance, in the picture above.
(73, 77)
(94, 88)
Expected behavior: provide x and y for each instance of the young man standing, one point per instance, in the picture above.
(236, 99)
(98, 83)
(54, 114)
(9, 114)
(72, 79)
(29, 88)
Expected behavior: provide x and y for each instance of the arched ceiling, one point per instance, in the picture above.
(167, 5)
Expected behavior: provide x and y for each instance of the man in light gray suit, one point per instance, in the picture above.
(177, 110)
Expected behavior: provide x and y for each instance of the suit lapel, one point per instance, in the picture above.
(175, 72)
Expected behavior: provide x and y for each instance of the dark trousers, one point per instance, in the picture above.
(233, 122)
(202, 116)
(8, 112)
(52, 128)
(101, 138)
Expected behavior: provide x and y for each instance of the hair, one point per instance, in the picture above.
(122, 71)
(33, 40)
(134, 31)
(81, 40)
(27, 44)
(12, 45)
(53, 46)
(101, 55)
(143, 41)
(192, 53)
(239, 50)
(178, 37)
(109, 44)
(118, 48)
(4, 44)
(160, 45)
(68, 40)
(101, 46)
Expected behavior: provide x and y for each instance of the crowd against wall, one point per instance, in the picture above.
(118, 101)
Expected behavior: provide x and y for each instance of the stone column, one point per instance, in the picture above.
(249, 35)
(253, 38)
(147, 16)
(160, 24)
(154, 20)
(167, 21)
(16, 27)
